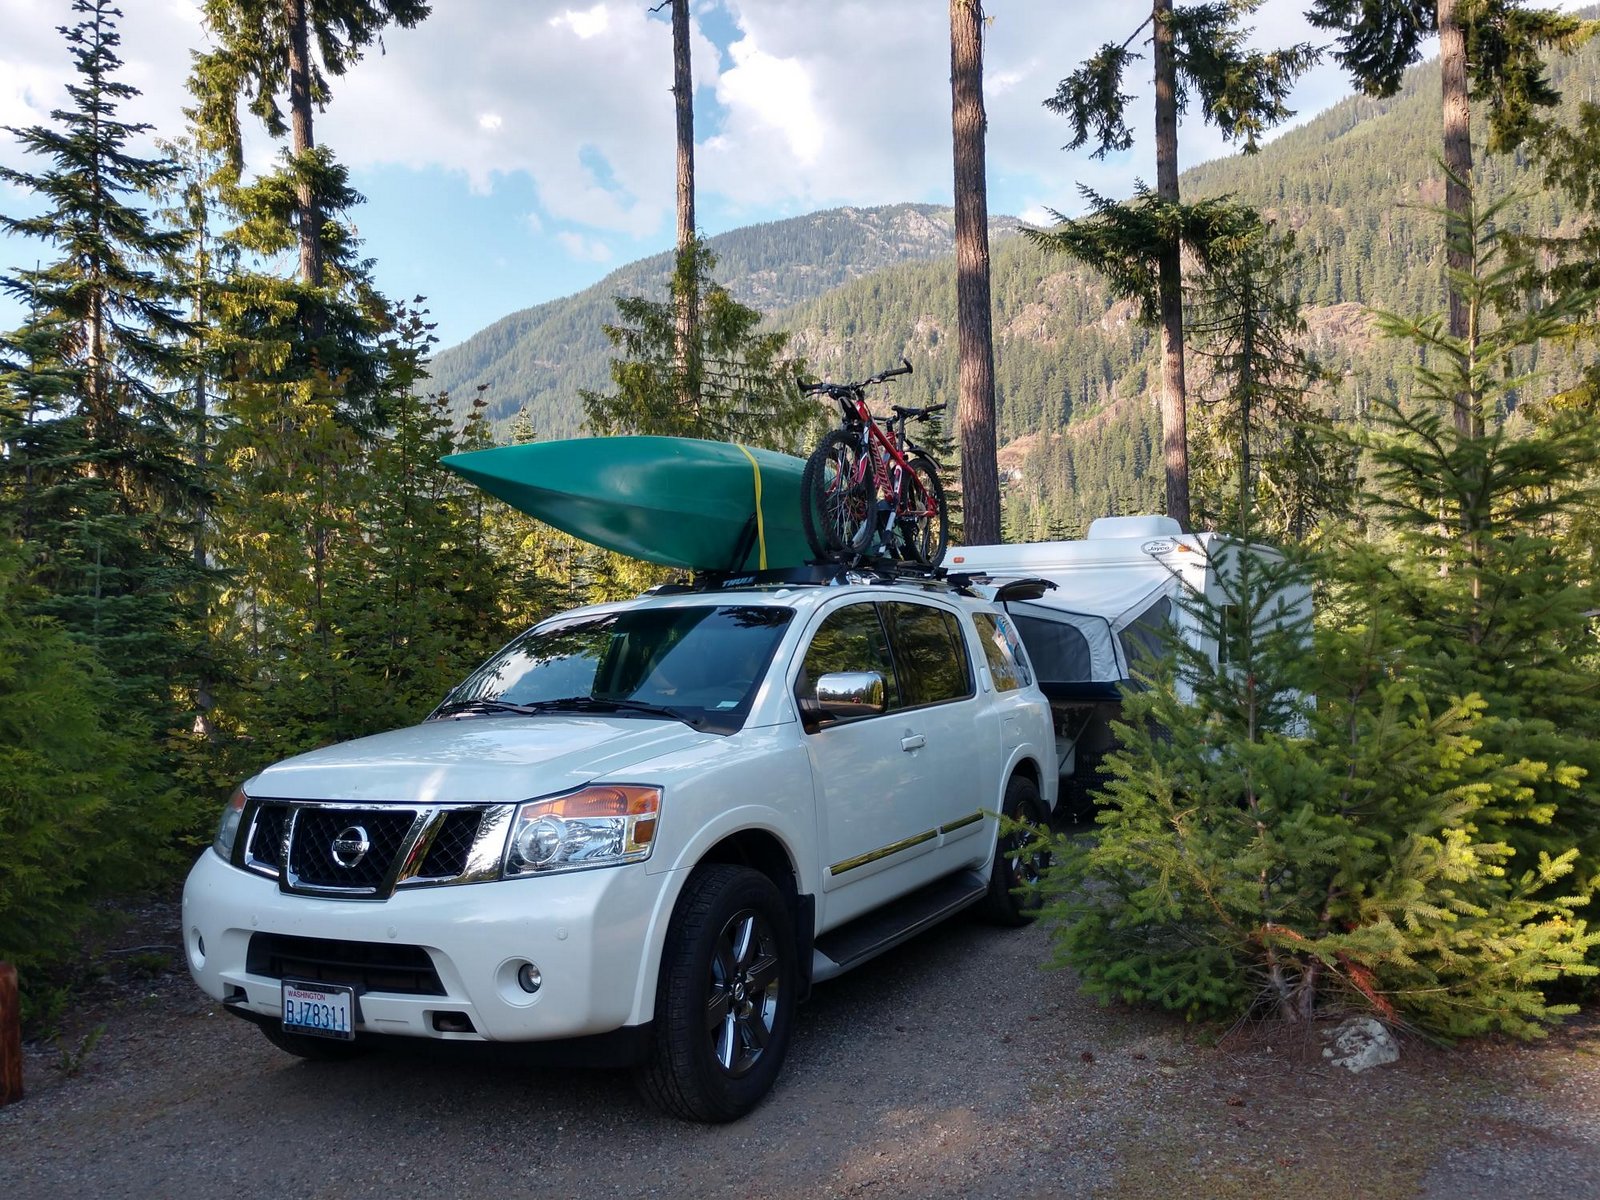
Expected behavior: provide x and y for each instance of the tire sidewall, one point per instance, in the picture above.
(683, 1046)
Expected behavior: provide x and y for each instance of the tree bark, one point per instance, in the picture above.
(1174, 398)
(1458, 180)
(687, 299)
(310, 216)
(980, 481)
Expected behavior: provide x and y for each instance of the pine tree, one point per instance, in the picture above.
(1289, 832)
(1479, 528)
(1264, 454)
(1199, 50)
(1490, 51)
(745, 385)
(975, 417)
(96, 475)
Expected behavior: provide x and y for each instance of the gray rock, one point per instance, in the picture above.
(1359, 1043)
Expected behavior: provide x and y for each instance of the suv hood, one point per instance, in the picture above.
(494, 760)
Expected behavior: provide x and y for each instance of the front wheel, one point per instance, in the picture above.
(923, 519)
(1019, 859)
(836, 497)
(725, 1001)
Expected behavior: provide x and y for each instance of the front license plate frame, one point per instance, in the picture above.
(317, 1009)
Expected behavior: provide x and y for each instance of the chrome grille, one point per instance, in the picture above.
(447, 857)
(407, 846)
(311, 858)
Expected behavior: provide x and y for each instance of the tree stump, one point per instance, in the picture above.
(10, 1036)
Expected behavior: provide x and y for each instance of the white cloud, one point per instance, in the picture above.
(489, 121)
(768, 95)
(587, 24)
(583, 248)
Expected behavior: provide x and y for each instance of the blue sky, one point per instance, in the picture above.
(515, 151)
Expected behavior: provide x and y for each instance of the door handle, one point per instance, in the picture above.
(913, 741)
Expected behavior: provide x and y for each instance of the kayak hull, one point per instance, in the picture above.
(679, 502)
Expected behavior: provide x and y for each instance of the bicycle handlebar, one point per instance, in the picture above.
(835, 389)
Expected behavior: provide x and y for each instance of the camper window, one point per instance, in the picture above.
(1059, 651)
(1145, 636)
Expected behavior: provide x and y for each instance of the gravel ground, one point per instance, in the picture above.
(952, 1067)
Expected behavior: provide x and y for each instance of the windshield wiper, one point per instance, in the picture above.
(485, 706)
(604, 705)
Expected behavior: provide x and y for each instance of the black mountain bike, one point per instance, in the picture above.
(868, 490)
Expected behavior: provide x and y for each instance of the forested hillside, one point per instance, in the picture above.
(1075, 378)
(1077, 422)
(535, 361)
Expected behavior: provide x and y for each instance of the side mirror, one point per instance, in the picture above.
(846, 694)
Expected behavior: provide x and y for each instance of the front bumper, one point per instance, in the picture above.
(589, 934)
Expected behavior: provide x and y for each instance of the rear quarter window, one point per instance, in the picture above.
(1008, 665)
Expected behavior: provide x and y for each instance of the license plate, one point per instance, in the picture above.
(319, 1009)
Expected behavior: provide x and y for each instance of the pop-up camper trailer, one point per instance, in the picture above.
(1115, 592)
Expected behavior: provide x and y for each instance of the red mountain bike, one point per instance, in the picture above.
(868, 483)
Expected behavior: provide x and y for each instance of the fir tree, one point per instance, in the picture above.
(96, 474)
(1198, 50)
(1264, 454)
(745, 386)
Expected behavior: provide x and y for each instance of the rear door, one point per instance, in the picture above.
(889, 786)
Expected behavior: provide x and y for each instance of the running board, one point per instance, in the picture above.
(884, 928)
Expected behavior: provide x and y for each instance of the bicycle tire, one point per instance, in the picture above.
(834, 503)
(923, 520)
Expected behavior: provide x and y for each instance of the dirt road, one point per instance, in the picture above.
(952, 1067)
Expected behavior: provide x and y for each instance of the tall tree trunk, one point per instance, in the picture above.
(1174, 399)
(1458, 181)
(687, 298)
(980, 481)
(310, 215)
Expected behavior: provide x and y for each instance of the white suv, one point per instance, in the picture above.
(640, 831)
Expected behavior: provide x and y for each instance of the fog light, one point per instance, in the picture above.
(528, 978)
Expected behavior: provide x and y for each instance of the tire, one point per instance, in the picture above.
(725, 999)
(923, 521)
(1012, 869)
(834, 504)
(312, 1049)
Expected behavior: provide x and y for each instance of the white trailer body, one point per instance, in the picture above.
(1116, 592)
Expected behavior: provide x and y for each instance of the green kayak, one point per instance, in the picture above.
(679, 502)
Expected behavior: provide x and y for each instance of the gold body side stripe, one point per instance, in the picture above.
(872, 856)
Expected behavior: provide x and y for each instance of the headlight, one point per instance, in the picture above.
(599, 826)
(228, 827)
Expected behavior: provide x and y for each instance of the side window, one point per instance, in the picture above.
(1144, 635)
(851, 639)
(1008, 666)
(931, 654)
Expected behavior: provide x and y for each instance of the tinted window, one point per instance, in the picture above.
(1145, 636)
(704, 661)
(850, 639)
(1007, 667)
(930, 654)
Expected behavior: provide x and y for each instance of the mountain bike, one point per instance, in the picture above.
(868, 482)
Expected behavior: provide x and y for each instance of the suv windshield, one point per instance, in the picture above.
(698, 664)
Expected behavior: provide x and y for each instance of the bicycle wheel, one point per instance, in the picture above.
(835, 494)
(923, 519)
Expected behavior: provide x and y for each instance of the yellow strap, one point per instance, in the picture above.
(761, 526)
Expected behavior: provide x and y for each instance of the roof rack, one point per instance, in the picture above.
(815, 574)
